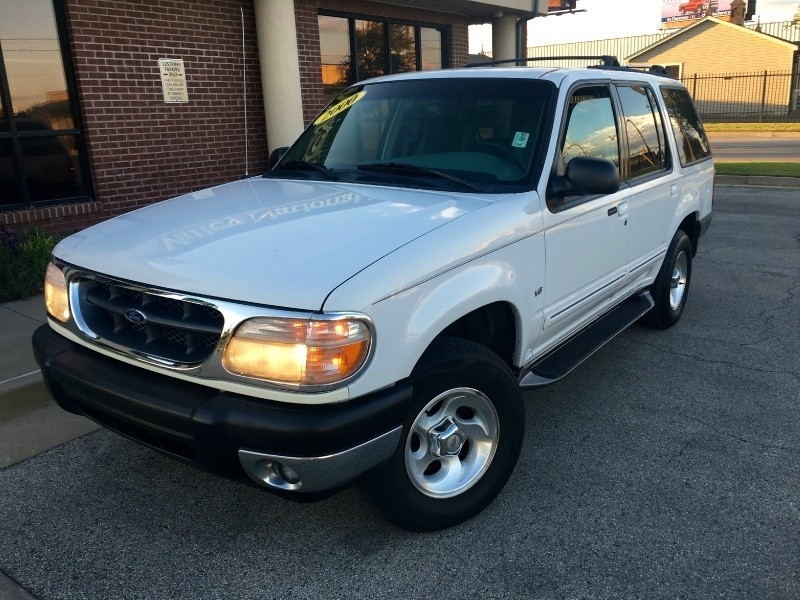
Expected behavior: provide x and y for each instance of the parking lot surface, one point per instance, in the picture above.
(667, 465)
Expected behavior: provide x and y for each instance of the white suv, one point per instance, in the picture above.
(431, 244)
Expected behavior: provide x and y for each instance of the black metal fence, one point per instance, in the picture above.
(746, 97)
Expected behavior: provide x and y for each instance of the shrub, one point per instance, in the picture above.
(23, 261)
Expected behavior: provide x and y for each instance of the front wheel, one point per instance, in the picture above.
(460, 442)
(671, 287)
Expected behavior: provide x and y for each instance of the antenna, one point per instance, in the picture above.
(244, 100)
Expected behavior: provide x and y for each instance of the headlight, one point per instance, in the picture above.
(298, 352)
(55, 293)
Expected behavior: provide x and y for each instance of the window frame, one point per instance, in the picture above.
(77, 131)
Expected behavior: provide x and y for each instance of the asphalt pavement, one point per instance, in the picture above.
(667, 465)
(755, 146)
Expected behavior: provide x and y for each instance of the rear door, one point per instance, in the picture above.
(654, 193)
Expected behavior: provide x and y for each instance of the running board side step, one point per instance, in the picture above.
(560, 361)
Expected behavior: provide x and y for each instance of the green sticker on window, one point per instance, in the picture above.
(339, 107)
(520, 139)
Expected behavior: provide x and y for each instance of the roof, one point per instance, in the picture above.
(553, 74)
(715, 21)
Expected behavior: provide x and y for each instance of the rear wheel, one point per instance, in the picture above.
(460, 441)
(671, 286)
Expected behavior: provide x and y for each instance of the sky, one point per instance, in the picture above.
(611, 18)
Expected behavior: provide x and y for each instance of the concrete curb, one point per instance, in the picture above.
(31, 422)
(22, 394)
(758, 181)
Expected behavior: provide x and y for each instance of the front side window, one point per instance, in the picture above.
(644, 130)
(41, 154)
(353, 49)
(689, 133)
(487, 132)
(591, 127)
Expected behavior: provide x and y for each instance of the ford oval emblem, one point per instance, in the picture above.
(136, 317)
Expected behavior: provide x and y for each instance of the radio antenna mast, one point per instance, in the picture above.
(244, 100)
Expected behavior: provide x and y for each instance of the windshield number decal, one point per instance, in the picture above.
(339, 107)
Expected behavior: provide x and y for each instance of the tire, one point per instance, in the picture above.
(671, 287)
(470, 397)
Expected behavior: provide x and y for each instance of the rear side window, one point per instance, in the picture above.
(644, 129)
(689, 134)
(591, 126)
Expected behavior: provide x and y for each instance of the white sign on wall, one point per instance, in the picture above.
(173, 80)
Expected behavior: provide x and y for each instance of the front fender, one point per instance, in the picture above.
(495, 254)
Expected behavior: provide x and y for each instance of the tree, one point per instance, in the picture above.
(371, 52)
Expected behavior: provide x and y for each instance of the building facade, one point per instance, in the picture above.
(109, 105)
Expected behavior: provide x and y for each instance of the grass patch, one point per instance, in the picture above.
(772, 169)
(23, 261)
(770, 127)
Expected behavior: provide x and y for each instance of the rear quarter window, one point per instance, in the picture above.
(689, 133)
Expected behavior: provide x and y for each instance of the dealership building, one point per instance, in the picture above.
(109, 105)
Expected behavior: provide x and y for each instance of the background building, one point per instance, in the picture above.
(109, 105)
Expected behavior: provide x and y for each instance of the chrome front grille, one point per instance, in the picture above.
(148, 323)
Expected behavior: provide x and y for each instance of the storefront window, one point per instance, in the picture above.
(354, 49)
(334, 45)
(403, 46)
(41, 157)
(431, 42)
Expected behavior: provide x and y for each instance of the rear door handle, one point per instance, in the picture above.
(623, 209)
(673, 190)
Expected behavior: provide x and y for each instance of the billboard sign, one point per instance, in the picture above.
(677, 13)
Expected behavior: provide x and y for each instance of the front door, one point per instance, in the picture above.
(586, 236)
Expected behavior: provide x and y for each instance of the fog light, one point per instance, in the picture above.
(288, 474)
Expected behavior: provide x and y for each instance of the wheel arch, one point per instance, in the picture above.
(691, 226)
(494, 326)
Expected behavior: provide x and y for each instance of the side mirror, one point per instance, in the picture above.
(588, 176)
(276, 155)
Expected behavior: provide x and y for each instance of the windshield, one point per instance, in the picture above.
(483, 133)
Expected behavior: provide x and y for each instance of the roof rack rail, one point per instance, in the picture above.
(652, 70)
(606, 60)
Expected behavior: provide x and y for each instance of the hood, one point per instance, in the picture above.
(283, 243)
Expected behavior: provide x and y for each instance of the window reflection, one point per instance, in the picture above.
(403, 47)
(33, 62)
(370, 49)
(51, 166)
(9, 187)
(353, 50)
(334, 43)
(431, 48)
(644, 142)
(591, 130)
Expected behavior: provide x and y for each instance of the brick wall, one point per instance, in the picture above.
(140, 149)
(306, 12)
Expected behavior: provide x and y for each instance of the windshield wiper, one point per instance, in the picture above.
(409, 169)
(304, 165)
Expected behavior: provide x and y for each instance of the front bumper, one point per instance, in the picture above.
(229, 434)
